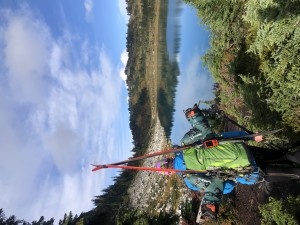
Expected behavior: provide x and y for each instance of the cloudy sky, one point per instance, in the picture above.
(63, 103)
(63, 100)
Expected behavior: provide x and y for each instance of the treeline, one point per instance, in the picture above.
(254, 58)
(141, 16)
(140, 47)
(106, 211)
(13, 220)
(113, 205)
(69, 219)
(168, 67)
(108, 205)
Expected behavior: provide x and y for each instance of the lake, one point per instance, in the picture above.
(187, 41)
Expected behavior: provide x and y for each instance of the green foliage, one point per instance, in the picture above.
(254, 57)
(228, 212)
(281, 212)
(223, 19)
(2, 216)
(136, 217)
(128, 217)
(140, 119)
(12, 220)
(42, 221)
(277, 46)
(189, 210)
(80, 222)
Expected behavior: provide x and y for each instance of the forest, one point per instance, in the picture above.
(254, 59)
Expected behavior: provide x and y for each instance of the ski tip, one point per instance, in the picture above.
(97, 167)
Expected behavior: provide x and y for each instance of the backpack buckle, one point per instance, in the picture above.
(210, 143)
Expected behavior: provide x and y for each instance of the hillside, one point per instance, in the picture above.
(254, 58)
(152, 80)
(152, 76)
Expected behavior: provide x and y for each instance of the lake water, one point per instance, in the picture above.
(194, 82)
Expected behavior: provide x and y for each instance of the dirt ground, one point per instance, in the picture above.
(249, 197)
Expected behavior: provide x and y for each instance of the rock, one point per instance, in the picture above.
(146, 188)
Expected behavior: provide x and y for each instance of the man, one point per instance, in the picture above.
(228, 162)
(201, 131)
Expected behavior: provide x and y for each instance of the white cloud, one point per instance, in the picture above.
(20, 160)
(63, 144)
(177, 58)
(195, 84)
(70, 119)
(88, 5)
(85, 52)
(25, 56)
(124, 59)
(122, 7)
(55, 59)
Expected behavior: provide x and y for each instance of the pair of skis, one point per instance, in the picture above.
(174, 150)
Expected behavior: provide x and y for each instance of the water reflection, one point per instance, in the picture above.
(168, 63)
(173, 28)
(187, 41)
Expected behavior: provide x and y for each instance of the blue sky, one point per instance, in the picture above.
(63, 103)
(195, 82)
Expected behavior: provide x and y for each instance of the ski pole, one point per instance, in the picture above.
(256, 134)
(238, 125)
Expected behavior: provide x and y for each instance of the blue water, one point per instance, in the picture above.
(194, 82)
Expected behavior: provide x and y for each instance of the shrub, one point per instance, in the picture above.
(281, 211)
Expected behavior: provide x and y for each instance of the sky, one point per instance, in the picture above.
(63, 103)
(195, 82)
